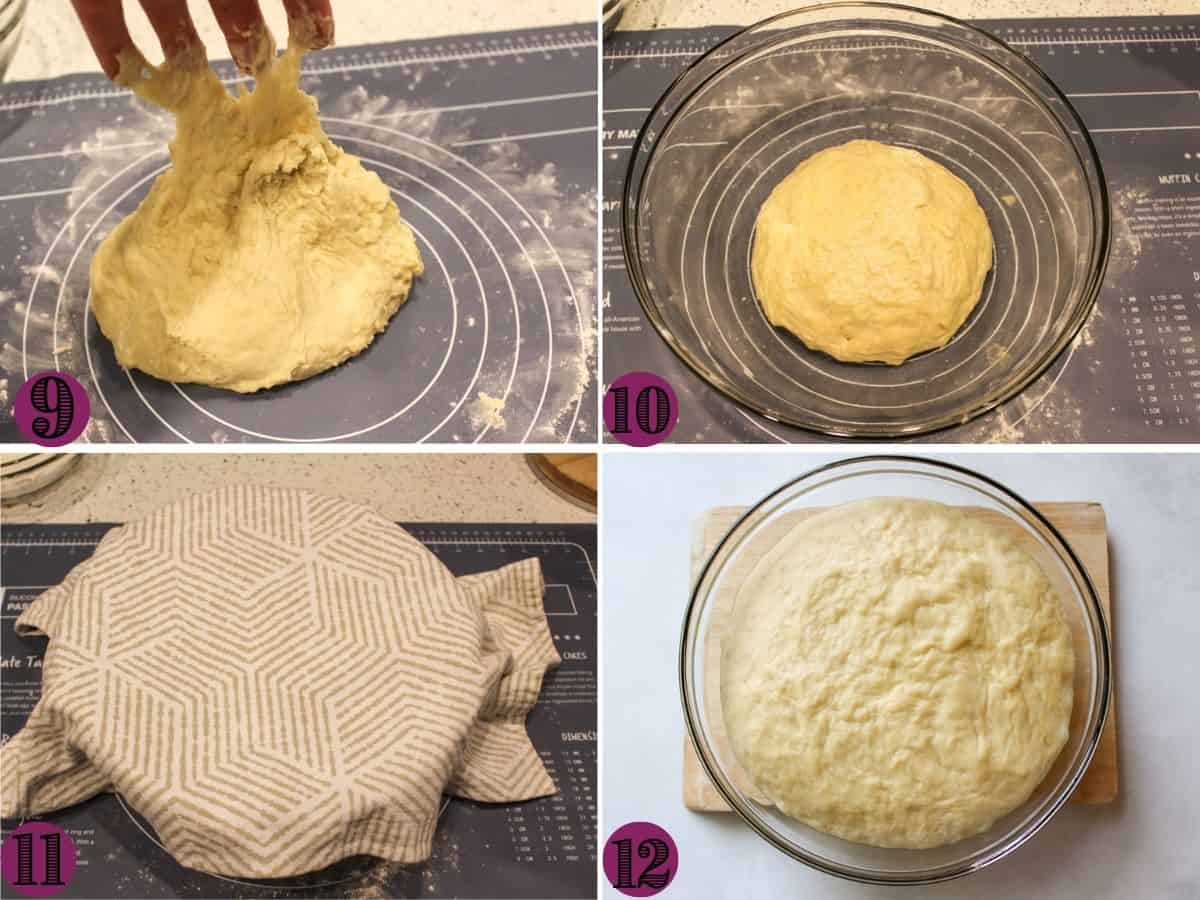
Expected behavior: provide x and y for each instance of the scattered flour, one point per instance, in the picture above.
(488, 412)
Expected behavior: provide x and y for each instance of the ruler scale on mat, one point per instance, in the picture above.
(543, 848)
(1133, 374)
(1082, 525)
(487, 143)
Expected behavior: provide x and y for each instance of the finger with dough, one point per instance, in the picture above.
(250, 42)
(177, 35)
(310, 22)
(104, 24)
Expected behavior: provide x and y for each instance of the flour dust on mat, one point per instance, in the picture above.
(897, 673)
(265, 254)
(277, 681)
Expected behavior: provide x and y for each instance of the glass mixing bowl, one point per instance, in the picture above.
(755, 106)
(770, 520)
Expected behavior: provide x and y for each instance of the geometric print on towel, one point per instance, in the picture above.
(277, 680)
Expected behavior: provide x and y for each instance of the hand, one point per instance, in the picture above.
(250, 42)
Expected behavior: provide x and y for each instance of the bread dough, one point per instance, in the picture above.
(265, 254)
(897, 673)
(870, 253)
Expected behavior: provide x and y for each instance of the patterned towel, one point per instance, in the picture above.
(277, 680)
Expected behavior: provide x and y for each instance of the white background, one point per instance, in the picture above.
(1147, 844)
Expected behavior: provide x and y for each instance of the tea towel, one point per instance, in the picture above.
(277, 680)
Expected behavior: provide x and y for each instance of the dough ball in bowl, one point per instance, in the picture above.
(870, 253)
(897, 673)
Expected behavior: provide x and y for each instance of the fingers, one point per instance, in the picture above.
(310, 22)
(176, 33)
(104, 24)
(249, 39)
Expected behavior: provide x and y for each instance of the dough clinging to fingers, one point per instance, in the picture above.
(310, 22)
(103, 22)
(266, 254)
(310, 26)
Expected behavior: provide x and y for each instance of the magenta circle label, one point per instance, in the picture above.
(52, 409)
(640, 859)
(640, 409)
(37, 859)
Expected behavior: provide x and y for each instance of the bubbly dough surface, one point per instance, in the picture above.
(265, 254)
(897, 673)
(870, 253)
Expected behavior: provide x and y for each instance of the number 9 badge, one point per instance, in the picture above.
(52, 409)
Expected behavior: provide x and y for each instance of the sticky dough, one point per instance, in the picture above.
(897, 673)
(870, 253)
(265, 254)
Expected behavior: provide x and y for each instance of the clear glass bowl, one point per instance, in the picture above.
(751, 109)
(890, 476)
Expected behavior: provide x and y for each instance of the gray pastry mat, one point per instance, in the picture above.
(544, 848)
(1133, 374)
(488, 143)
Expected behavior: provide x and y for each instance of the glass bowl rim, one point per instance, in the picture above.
(1102, 697)
(1101, 230)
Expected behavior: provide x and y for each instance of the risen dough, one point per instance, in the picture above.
(265, 254)
(870, 253)
(897, 673)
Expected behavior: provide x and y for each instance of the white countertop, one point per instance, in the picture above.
(411, 487)
(54, 43)
(1142, 846)
(644, 14)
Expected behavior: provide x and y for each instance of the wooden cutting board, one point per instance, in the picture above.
(572, 474)
(1081, 524)
(578, 467)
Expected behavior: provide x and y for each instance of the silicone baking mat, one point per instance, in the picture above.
(544, 848)
(1133, 373)
(488, 144)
